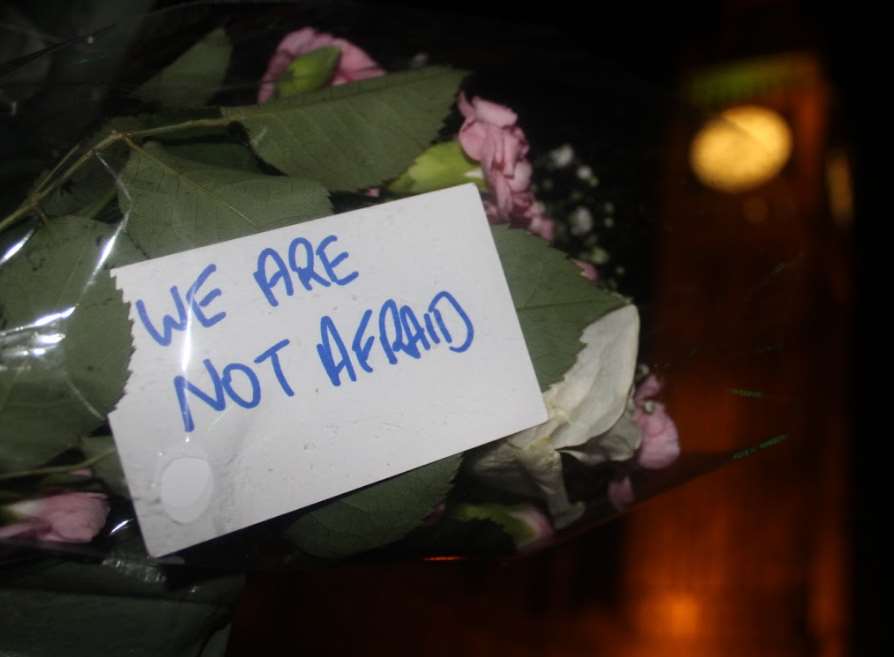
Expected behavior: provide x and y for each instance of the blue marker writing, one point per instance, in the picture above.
(191, 306)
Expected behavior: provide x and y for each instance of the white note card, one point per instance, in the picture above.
(284, 368)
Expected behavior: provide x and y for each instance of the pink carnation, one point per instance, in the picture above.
(66, 518)
(490, 135)
(660, 444)
(354, 64)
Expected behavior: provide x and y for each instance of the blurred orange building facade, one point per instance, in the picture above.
(758, 563)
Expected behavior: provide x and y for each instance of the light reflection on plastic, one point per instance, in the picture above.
(51, 339)
(107, 249)
(117, 528)
(15, 248)
(53, 317)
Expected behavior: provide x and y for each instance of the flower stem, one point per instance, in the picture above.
(57, 469)
(47, 186)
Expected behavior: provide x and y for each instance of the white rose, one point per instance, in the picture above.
(587, 419)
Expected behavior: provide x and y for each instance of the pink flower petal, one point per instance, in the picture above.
(25, 529)
(490, 136)
(648, 389)
(502, 193)
(521, 179)
(587, 270)
(661, 443)
(490, 112)
(354, 63)
(537, 523)
(543, 226)
(302, 41)
(67, 517)
(471, 138)
(620, 493)
(465, 107)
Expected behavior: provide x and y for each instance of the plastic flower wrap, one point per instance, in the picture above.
(191, 154)
(234, 124)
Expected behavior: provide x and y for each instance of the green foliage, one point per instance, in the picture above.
(554, 302)
(194, 77)
(506, 517)
(121, 607)
(309, 72)
(108, 468)
(355, 135)
(174, 204)
(58, 380)
(376, 515)
(212, 146)
(442, 165)
(95, 181)
(199, 187)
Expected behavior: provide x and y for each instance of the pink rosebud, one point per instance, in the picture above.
(661, 444)
(354, 64)
(67, 518)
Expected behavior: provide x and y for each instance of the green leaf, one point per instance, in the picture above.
(442, 165)
(308, 73)
(108, 468)
(213, 147)
(376, 515)
(176, 204)
(354, 135)
(194, 77)
(97, 346)
(95, 180)
(507, 517)
(120, 607)
(482, 538)
(554, 302)
(58, 380)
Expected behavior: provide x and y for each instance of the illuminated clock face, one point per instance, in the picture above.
(740, 149)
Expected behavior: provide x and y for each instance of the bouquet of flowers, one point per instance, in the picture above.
(189, 158)
(196, 147)
(66, 330)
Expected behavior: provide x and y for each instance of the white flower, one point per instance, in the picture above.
(562, 156)
(587, 419)
(581, 221)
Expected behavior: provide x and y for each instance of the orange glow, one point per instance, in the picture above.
(741, 149)
(671, 614)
